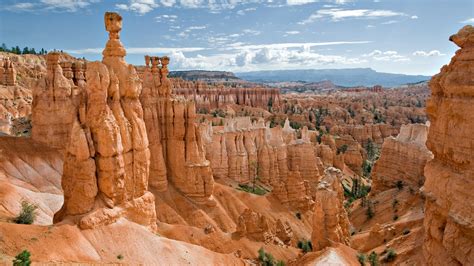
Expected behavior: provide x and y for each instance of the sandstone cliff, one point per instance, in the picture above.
(248, 152)
(177, 150)
(449, 216)
(402, 159)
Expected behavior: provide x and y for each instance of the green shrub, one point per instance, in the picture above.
(342, 149)
(391, 255)
(394, 203)
(370, 212)
(22, 259)
(305, 245)
(406, 231)
(395, 217)
(362, 258)
(399, 184)
(366, 168)
(27, 214)
(298, 215)
(267, 259)
(120, 257)
(373, 259)
(255, 190)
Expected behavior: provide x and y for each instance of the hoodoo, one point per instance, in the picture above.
(449, 214)
(106, 169)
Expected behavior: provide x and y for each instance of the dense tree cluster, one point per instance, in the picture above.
(25, 50)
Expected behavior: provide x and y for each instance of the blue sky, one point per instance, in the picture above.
(405, 36)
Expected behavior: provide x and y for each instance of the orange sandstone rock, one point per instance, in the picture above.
(449, 214)
(330, 222)
(107, 161)
(402, 159)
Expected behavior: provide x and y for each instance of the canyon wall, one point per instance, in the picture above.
(214, 96)
(449, 213)
(106, 168)
(177, 152)
(246, 152)
(402, 159)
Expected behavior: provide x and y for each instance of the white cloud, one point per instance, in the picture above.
(427, 54)
(22, 7)
(299, 2)
(292, 32)
(166, 18)
(139, 50)
(389, 22)
(240, 46)
(168, 3)
(392, 56)
(246, 10)
(139, 6)
(56, 5)
(414, 17)
(68, 5)
(370, 26)
(336, 14)
(265, 58)
(469, 20)
(251, 32)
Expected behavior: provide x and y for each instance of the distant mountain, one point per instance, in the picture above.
(203, 75)
(349, 77)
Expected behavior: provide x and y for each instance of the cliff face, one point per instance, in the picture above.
(449, 216)
(53, 94)
(177, 151)
(106, 168)
(242, 151)
(402, 159)
(214, 96)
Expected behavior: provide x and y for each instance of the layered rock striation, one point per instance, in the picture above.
(246, 152)
(54, 94)
(177, 151)
(449, 211)
(402, 159)
(215, 96)
(106, 168)
(330, 221)
(7, 73)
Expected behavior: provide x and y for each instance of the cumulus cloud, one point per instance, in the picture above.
(56, 5)
(166, 18)
(300, 2)
(337, 14)
(427, 54)
(139, 6)
(414, 17)
(469, 20)
(139, 50)
(22, 7)
(389, 22)
(392, 56)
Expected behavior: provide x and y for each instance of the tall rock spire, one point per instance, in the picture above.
(107, 161)
(449, 211)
